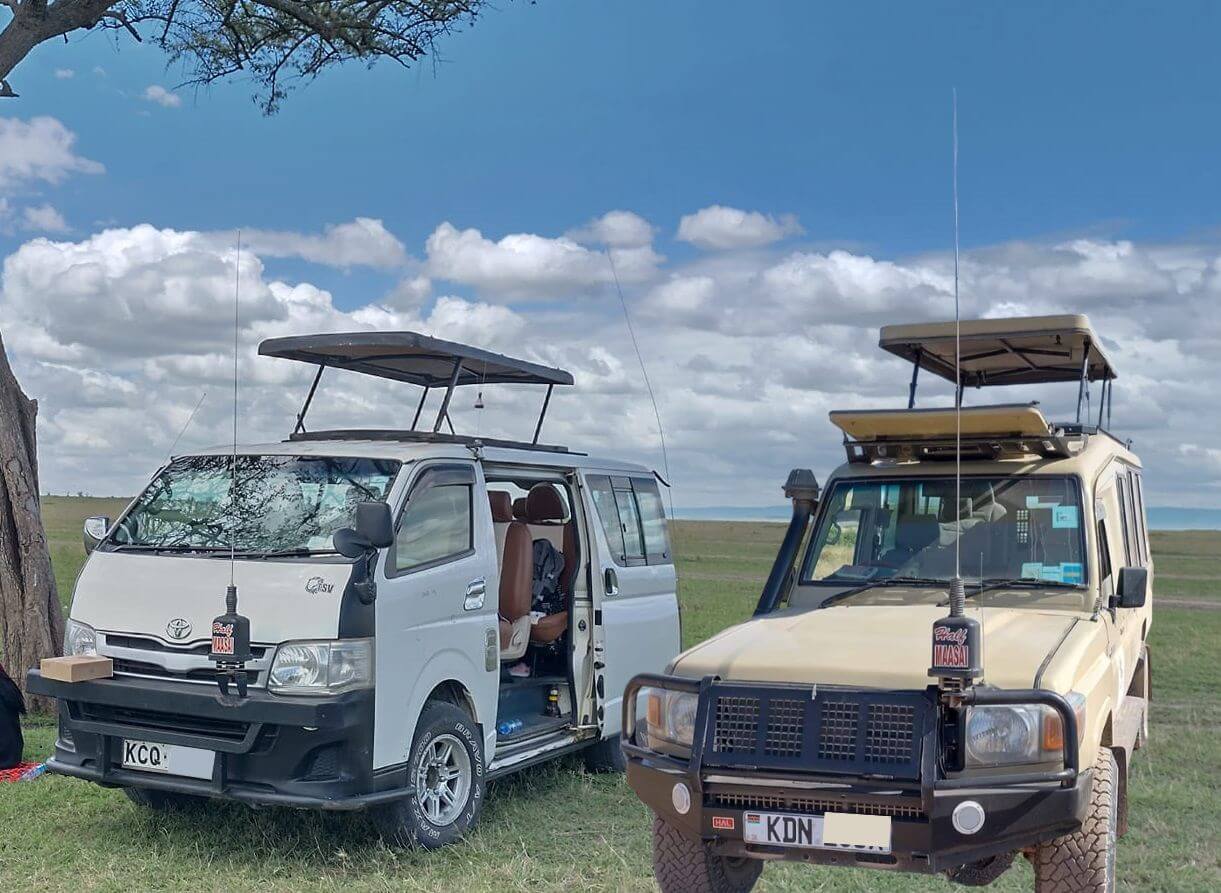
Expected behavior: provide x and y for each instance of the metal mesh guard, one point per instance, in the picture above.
(737, 724)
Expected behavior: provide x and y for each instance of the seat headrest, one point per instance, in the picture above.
(502, 506)
(519, 508)
(913, 534)
(543, 504)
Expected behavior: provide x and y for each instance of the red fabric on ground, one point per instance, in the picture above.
(16, 772)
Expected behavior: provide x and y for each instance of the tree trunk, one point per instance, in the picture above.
(31, 621)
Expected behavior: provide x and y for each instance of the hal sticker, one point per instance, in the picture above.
(1071, 572)
(1064, 516)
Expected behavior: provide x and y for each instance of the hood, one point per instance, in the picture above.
(871, 646)
(123, 592)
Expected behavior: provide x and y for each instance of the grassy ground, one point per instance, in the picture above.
(556, 827)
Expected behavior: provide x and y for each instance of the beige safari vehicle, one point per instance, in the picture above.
(948, 663)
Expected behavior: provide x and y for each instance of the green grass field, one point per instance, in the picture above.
(558, 828)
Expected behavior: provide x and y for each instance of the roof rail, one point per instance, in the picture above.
(398, 436)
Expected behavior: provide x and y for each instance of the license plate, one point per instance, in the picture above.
(168, 759)
(834, 831)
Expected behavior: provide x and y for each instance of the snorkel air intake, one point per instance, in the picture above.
(802, 488)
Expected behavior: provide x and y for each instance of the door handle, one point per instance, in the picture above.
(611, 581)
(476, 592)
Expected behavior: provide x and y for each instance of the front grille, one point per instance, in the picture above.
(825, 729)
(814, 805)
(199, 674)
(157, 720)
(737, 724)
(146, 643)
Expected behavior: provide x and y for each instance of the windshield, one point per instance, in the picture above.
(289, 504)
(1011, 529)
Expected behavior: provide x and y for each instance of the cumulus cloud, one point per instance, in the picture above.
(720, 228)
(526, 265)
(119, 333)
(363, 242)
(39, 150)
(157, 94)
(43, 219)
(619, 229)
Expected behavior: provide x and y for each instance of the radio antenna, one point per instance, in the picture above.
(665, 456)
(190, 418)
(957, 591)
(237, 292)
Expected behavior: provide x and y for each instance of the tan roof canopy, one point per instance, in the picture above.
(1022, 350)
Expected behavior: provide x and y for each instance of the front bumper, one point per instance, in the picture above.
(270, 750)
(1020, 811)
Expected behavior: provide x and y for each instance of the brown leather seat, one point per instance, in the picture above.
(545, 508)
(516, 578)
(519, 508)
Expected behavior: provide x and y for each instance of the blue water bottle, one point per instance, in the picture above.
(508, 727)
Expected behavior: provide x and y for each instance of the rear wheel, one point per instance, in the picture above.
(606, 756)
(163, 801)
(445, 768)
(685, 864)
(1084, 862)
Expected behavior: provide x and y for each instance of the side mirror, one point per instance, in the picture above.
(374, 530)
(1133, 587)
(94, 532)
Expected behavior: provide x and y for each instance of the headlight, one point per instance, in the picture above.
(321, 668)
(1000, 735)
(79, 638)
(666, 720)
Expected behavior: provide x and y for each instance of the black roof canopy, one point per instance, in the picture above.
(412, 357)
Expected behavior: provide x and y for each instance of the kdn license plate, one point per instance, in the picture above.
(834, 831)
(152, 756)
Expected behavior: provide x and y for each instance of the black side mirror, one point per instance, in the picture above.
(1133, 587)
(374, 530)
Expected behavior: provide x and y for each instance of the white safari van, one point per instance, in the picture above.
(426, 611)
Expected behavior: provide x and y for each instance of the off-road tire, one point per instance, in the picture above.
(1084, 862)
(685, 864)
(403, 822)
(163, 801)
(983, 873)
(606, 756)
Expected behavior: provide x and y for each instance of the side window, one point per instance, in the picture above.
(633, 519)
(1125, 519)
(436, 525)
(1142, 523)
(653, 520)
(1104, 553)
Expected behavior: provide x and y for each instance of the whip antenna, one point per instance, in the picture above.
(665, 456)
(190, 419)
(231, 631)
(957, 639)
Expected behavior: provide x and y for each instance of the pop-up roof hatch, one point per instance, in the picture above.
(416, 359)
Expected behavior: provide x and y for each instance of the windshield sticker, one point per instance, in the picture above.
(1053, 573)
(1036, 502)
(1032, 570)
(1065, 517)
(1072, 572)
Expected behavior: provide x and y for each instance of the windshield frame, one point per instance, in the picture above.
(808, 558)
(110, 544)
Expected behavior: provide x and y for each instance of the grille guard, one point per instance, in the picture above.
(925, 743)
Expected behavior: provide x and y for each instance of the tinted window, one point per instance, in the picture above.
(629, 521)
(435, 525)
(652, 519)
(633, 519)
(1125, 518)
(1141, 523)
(608, 514)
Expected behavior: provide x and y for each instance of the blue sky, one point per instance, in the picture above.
(1089, 138)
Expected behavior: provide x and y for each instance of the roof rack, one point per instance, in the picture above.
(416, 359)
(1019, 350)
(393, 436)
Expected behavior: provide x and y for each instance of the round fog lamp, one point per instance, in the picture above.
(681, 798)
(968, 817)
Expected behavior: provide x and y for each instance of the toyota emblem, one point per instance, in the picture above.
(178, 628)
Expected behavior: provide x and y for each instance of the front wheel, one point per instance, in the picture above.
(685, 864)
(1084, 861)
(445, 769)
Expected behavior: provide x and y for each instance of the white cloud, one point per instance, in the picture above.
(157, 94)
(41, 149)
(619, 229)
(64, 74)
(525, 265)
(118, 333)
(361, 242)
(43, 219)
(719, 228)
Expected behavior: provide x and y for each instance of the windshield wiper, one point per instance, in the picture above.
(150, 547)
(991, 583)
(287, 553)
(886, 581)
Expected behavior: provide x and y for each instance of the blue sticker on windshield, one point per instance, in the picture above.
(1032, 570)
(1071, 572)
(1064, 516)
(1053, 573)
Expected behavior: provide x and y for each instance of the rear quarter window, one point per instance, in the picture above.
(633, 519)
